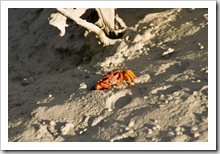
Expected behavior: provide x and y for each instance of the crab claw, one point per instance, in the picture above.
(128, 74)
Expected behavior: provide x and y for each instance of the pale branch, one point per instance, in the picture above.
(106, 19)
(110, 22)
(89, 26)
(77, 12)
(58, 20)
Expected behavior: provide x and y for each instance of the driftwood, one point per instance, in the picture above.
(111, 23)
(108, 26)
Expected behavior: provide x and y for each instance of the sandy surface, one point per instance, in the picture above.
(52, 79)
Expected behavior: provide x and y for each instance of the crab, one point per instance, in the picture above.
(115, 78)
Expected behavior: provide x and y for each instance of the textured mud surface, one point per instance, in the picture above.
(52, 79)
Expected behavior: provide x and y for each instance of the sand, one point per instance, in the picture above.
(51, 79)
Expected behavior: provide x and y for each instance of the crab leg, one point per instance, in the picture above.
(121, 79)
(102, 85)
(128, 74)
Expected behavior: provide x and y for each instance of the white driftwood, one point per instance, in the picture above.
(91, 27)
(110, 22)
(59, 21)
(106, 19)
(77, 12)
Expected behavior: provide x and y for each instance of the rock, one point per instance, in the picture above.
(27, 81)
(196, 134)
(150, 131)
(168, 52)
(132, 123)
(68, 129)
(200, 46)
(52, 123)
(82, 86)
(82, 131)
(194, 128)
(178, 129)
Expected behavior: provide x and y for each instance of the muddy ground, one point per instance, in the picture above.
(52, 79)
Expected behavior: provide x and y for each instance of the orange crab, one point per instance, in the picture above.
(115, 78)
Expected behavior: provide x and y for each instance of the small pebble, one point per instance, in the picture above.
(196, 134)
(161, 106)
(182, 129)
(169, 51)
(205, 16)
(131, 131)
(160, 43)
(27, 81)
(178, 129)
(201, 47)
(154, 128)
(158, 126)
(179, 133)
(131, 124)
(151, 25)
(194, 128)
(82, 86)
(162, 96)
(171, 133)
(195, 93)
(127, 128)
(186, 76)
(83, 131)
(150, 131)
(145, 27)
(140, 51)
(52, 123)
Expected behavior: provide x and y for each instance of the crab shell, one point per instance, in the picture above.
(115, 78)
